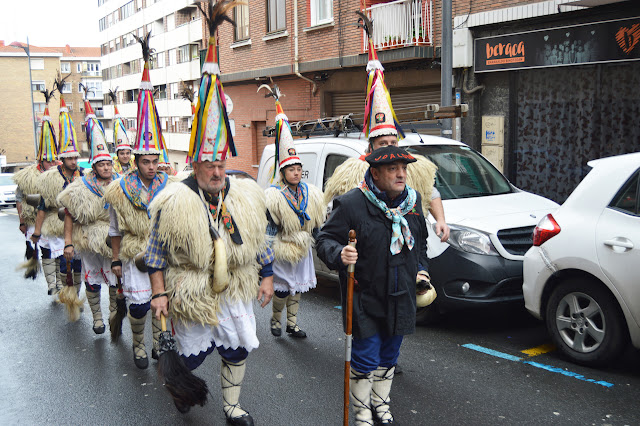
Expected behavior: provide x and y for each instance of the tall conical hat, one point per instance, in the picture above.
(68, 139)
(120, 135)
(149, 139)
(47, 146)
(286, 153)
(95, 134)
(379, 117)
(211, 137)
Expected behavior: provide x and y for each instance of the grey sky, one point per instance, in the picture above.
(50, 22)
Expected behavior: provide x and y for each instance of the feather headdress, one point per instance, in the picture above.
(286, 153)
(47, 145)
(379, 117)
(149, 139)
(211, 137)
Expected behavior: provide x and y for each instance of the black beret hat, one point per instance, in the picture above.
(387, 155)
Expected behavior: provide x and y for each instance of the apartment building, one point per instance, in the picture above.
(316, 54)
(550, 85)
(80, 64)
(177, 30)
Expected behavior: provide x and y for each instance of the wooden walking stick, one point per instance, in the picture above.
(349, 319)
(185, 388)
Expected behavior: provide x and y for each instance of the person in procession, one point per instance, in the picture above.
(382, 129)
(390, 257)
(86, 222)
(129, 198)
(27, 184)
(207, 270)
(50, 184)
(295, 211)
(123, 162)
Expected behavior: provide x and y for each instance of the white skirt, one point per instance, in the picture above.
(135, 284)
(236, 328)
(295, 278)
(96, 269)
(55, 244)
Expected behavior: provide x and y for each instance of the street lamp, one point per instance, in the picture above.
(33, 114)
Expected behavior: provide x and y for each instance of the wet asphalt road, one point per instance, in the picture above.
(54, 372)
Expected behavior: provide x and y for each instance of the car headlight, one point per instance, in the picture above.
(471, 241)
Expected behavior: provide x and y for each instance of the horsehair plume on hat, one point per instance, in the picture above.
(113, 95)
(59, 82)
(48, 94)
(365, 23)
(187, 93)
(216, 13)
(144, 41)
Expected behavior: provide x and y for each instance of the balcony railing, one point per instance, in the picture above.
(401, 23)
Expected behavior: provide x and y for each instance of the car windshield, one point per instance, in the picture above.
(462, 172)
(6, 180)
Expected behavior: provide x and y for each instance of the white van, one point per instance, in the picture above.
(491, 220)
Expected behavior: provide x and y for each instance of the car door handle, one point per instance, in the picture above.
(619, 243)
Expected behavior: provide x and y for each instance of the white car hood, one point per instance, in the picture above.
(493, 213)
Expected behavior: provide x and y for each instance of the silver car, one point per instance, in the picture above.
(7, 190)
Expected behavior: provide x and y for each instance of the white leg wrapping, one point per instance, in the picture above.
(94, 303)
(231, 376)
(113, 292)
(293, 304)
(137, 332)
(49, 268)
(277, 305)
(360, 393)
(380, 390)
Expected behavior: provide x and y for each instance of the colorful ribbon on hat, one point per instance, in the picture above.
(68, 136)
(47, 146)
(148, 124)
(376, 78)
(211, 95)
(119, 131)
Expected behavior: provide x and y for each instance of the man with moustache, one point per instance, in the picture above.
(389, 257)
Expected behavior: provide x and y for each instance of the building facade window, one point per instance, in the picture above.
(38, 107)
(66, 87)
(127, 10)
(321, 12)
(241, 18)
(65, 67)
(37, 64)
(276, 15)
(79, 67)
(70, 104)
(37, 85)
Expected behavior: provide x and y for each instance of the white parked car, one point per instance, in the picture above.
(491, 220)
(582, 276)
(7, 190)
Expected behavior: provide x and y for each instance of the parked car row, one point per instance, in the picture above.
(7, 190)
(581, 261)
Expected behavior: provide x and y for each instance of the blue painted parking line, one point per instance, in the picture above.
(536, 364)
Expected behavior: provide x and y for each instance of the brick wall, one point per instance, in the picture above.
(252, 112)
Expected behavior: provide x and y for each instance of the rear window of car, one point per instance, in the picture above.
(462, 172)
(626, 200)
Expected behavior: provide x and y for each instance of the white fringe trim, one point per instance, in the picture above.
(69, 154)
(374, 65)
(123, 146)
(281, 117)
(64, 109)
(146, 85)
(290, 162)
(90, 116)
(150, 152)
(46, 118)
(383, 132)
(211, 68)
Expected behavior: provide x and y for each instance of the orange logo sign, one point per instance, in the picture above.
(505, 53)
(627, 38)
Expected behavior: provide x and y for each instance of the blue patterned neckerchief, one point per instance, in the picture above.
(91, 181)
(297, 200)
(400, 232)
(132, 187)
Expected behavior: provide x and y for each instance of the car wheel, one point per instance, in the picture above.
(585, 322)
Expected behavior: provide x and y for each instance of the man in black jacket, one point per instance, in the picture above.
(391, 255)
